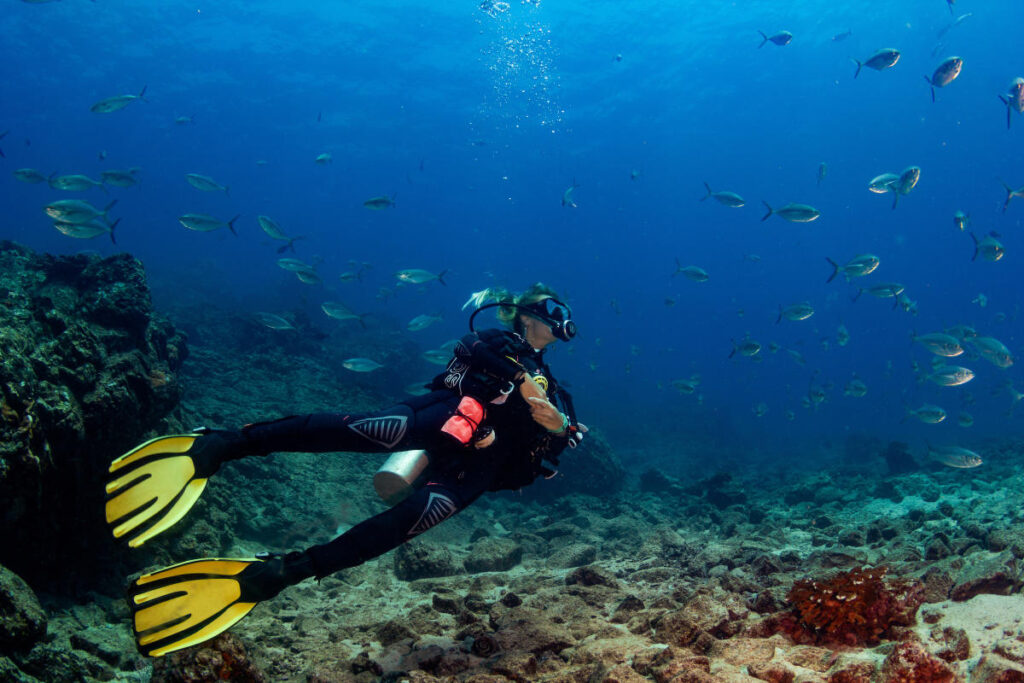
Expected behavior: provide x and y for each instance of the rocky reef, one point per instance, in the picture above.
(883, 571)
(88, 367)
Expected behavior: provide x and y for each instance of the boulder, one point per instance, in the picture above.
(490, 554)
(22, 619)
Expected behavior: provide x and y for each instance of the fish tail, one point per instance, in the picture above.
(733, 352)
(859, 292)
(835, 270)
(779, 319)
(231, 225)
(1009, 195)
(770, 211)
(227, 191)
(440, 278)
(975, 247)
(362, 320)
(895, 199)
(1008, 110)
(709, 191)
(107, 208)
(763, 41)
(859, 65)
(112, 226)
(142, 93)
(679, 267)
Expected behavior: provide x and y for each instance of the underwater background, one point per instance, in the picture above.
(475, 119)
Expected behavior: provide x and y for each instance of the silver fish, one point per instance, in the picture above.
(339, 311)
(927, 413)
(842, 335)
(880, 60)
(992, 350)
(567, 198)
(119, 178)
(294, 265)
(730, 199)
(687, 386)
(883, 290)
(1014, 99)
(781, 38)
(822, 171)
(112, 104)
(965, 419)
(417, 276)
(883, 183)
(939, 343)
(30, 176)
(695, 273)
(206, 183)
(74, 183)
(437, 356)
(989, 247)
(855, 388)
(794, 213)
(200, 222)
(87, 230)
(955, 456)
(945, 73)
(308, 277)
(274, 322)
(858, 266)
(951, 376)
(1010, 194)
(761, 409)
(417, 389)
(377, 203)
(361, 364)
(324, 158)
(271, 227)
(747, 347)
(422, 322)
(76, 211)
(907, 182)
(961, 220)
(795, 312)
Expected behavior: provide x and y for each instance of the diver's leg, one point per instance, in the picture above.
(410, 425)
(423, 510)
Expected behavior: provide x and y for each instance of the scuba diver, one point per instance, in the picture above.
(491, 422)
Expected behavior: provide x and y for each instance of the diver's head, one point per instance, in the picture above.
(541, 318)
(536, 314)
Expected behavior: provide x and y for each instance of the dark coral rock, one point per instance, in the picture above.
(851, 608)
(995, 669)
(362, 662)
(629, 606)
(591, 576)
(22, 618)
(222, 659)
(511, 600)
(911, 663)
(655, 481)
(898, 458)
(954, 645)
(423, 561)
(88, 369)
(445, 605)
(773, 672)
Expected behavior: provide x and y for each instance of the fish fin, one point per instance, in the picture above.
(733, 352)
(895, 199)
(770, 211)
(108, 207)
(835, 270)
(49, 181)
(709, 191)
(857, 296)
(679, 267)
(112, 226)
(1008, 110)
(975, 246)
(227, 191)
(440, 278)
(763, 41)
(142, 93)
(231, 224)
(779, 319)
(859, 65)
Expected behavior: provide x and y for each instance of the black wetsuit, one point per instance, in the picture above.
(483, 367)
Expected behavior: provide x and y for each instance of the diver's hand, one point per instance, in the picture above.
(528, 388)
(545, 413)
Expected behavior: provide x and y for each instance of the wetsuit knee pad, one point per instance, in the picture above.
(387, 428)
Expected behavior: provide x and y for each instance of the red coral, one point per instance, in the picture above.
(857, 607)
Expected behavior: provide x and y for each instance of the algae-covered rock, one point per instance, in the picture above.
(88, 369)
(493, 555)
(22, 619)
(423, 561)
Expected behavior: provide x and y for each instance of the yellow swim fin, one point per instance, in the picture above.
(156, 484)
(188, 603)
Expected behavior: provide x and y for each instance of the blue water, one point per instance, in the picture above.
(476, 124)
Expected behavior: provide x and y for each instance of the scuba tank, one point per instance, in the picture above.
(401, 474)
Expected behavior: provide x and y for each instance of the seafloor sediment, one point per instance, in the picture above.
(606, 574)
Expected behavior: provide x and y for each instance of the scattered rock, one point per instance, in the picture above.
(911, 662)
(423, 561)
(995, 573)
(591, 576)
(995, 669)
(493, 555)
(773, 672)
(954, 645)
(572, 555)
(223, 658)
